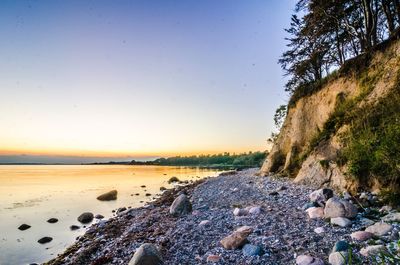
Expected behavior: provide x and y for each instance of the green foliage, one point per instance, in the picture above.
(251, 159)
(373, 144)
(280, 115)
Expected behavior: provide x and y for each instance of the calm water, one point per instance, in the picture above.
(33, 194)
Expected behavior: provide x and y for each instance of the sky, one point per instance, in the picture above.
(138, 79)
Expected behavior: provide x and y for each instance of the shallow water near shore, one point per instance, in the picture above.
(34, 194)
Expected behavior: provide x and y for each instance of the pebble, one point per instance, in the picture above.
(255, 210)
(341, 221)
(252, 250)
(391, 217)
(213, 258)
(52, 220)
(361, 235)
(379, 229)
(239, 212)
(319, 230)
(74, 227)
(237, 239)
(99, 216)
(372, 250)
(315, 212)
(204, 222)
(338, 258)
(308, 260)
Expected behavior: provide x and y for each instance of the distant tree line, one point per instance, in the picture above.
(326, 33)
(250, 159)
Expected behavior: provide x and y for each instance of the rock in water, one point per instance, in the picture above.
(52, 220)
(146, 254)
(85, 218)
(45, 240)
(180, 206)
(339, 208)
(173, 180)
(379, 229)
(321, 196)
(99, 216)
(109, 196)
(74, 227)
(24, 227)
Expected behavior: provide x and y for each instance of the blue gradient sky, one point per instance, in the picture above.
(138, 78)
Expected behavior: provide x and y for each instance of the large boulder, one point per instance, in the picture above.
(339, 208)
(180, 206)
(315, 212)
(321, 196)
(146, 254)
(85, 218)
(109, 196)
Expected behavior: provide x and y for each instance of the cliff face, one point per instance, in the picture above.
(305, 149)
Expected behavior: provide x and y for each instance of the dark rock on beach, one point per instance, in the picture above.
(173, 180)
(74, 227)
(45, 240)
(109, 196)
(146, 254)
(86, 218)
(181, 206)
(24, 227)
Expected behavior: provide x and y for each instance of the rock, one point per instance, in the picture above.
(308, 260)
(338, 258)
(143, 186)
(109, 196)
(99, 216)
(180, 206)
(321, 196)
(273, 193)
(341, 221)
(234, 240)
(340, 246)
(361, 235)
(52, 220)
(308, 205)
(239, 212)
(24, 227)
(339, 208)
(319, 230)
(247, 230)
(204, 222)
(281, 188)
(256, 210)
(213, 258)
(386, 209)
(74, 227)
(45, 240)
(148, 194)
(252, 250)
(365, 222)
(391, 217)
(173, 180)
(163, 188)
(146, 254)
(315, 212)
(373, 250)
(379, 229)
(85, 218)
(122, 209)
(346, 195)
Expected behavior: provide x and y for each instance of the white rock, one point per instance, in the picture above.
(204, 222)
(308, 260)
(338, 258)
(361, 235)
(319, 230)
(321, 196)
(256, 210)
(339, 208)
(239, 212)
(373, 250)
(315, 212)
(391, 217)
(379, 229)
(341, 221)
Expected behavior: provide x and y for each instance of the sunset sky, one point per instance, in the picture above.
(119, 79)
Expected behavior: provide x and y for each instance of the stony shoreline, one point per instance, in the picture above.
(272, 212)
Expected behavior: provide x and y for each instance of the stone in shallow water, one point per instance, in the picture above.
(45, 240)
(99, 216)
(315, 212)
(24, 227)
(74, 227)
(109, 196)
(361, 235)
(52, 220)
(252, 250)
(379, 229)
(146, 254)
(341, 221)
(85, 218)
